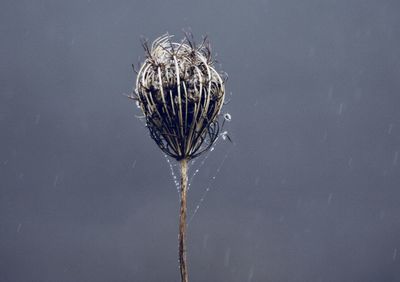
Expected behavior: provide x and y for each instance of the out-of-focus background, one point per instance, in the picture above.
(309, 191)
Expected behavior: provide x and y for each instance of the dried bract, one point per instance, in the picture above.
(181, 95)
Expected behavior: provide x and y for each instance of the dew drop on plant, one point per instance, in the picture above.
(200, 166)
(173, 174)
(208, 187)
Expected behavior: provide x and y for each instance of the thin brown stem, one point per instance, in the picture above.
(182, 223)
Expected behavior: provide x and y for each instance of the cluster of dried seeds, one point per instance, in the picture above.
(181, 95)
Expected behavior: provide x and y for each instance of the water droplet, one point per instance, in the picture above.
(224, 135)
(212, 149)
(227, 117)
(138, 104)
(208, 187)
(174, 178)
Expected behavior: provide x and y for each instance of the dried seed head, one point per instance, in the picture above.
(181, 95)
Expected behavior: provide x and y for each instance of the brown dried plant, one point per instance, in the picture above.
(181, 95)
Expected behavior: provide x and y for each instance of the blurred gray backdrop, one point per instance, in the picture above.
(310, 191)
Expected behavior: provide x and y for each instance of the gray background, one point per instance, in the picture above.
(309, 192)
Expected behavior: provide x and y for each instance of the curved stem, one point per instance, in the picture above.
(182, 223)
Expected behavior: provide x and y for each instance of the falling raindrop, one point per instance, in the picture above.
(311, 52)
(330, 198)
(227, 117)
(19, 227)
(330, 93)
(227, 257)
(55, 181)
(350, 162)
(340, 109)
(205, 240)
(358, 94)
(390, 128)
(37, 119)
(224, 135)
(299, 202)
(251, 274)
(138, 104)
(395, 157)
(381, 214)
(325, 137)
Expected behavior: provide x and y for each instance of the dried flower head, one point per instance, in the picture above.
(181, 95)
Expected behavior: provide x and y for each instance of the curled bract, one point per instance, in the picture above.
(181, 95)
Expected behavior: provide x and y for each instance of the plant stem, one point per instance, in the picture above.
(182, 223)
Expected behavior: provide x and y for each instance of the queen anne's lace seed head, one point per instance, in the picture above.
(181, 95)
